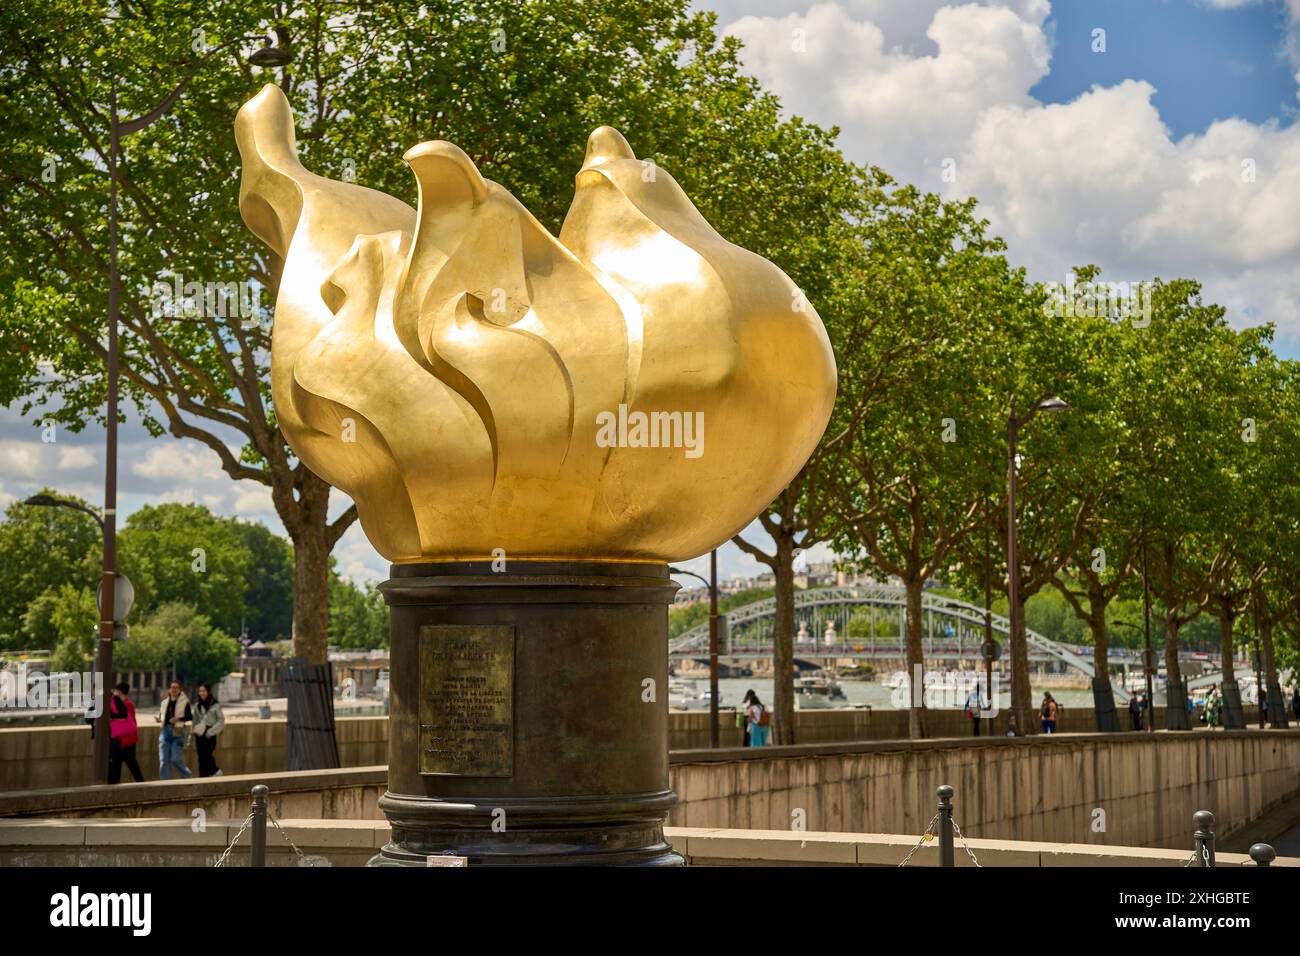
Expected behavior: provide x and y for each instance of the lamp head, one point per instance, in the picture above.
(270, 55)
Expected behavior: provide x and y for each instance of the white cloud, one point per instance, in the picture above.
(897, 110)
(22, 458)
(1099, 179)
(254, 500)
(175, 459)
(71, 459)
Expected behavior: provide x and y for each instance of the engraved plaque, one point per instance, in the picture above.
(467, 700)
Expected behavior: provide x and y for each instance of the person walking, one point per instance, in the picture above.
(1047, 712)
(743, 717)
(1295, 701)
(760, 721)
(173, 713)
(1135, 710)
(208, 723)
(973, 708)
(1213, 704)
(123, 735)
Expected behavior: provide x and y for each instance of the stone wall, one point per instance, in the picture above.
(38, 757)
(1039, 788)
(34, 758)
(1043, 789)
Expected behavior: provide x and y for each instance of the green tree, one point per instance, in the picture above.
(183, 553)
(358, 616)
(64, 619)
(179, 640)
(268, 589)
(41, 549)
(915, 478)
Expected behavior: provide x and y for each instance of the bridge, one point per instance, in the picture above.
(951, 629)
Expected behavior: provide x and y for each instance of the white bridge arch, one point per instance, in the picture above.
(751, 624)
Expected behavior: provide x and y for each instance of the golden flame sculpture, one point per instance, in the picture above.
(635, 390)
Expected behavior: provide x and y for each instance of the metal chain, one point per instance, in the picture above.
(225, 855)
(302, 860)
(964, 845)
(929, 827)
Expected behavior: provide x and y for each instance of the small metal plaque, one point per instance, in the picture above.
(467, 700)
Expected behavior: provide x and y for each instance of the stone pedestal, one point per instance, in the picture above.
(529, 713)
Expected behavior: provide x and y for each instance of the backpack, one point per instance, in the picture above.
(764, 716)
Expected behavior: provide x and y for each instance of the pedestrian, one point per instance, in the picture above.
(760, 721)
(973, 708)
(1047, 712)
(743, 717)
(1263, 704)
(173, 713)
(1295, 701)
(1012, 729)
(1213, 705)
(123, 735)
(208, 723)
(1135, 710)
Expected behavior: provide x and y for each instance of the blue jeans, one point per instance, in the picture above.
(171, 753)
(758, 735)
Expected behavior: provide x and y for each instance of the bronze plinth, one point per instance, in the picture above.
(573, 768)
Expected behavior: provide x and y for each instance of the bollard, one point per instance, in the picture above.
(1262, 854)
(259, 824)
(946, 857)
(1204, 821)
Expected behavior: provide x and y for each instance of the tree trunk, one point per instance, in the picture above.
(1173, 674)
(1272, 688)
(783, 643)
(1022, 699)
(1097, 602)
(1175, 702)
(306, 518)
(915, 661)
(1100, 648)
(309, 739)
(1226, 645)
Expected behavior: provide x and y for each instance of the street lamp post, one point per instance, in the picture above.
(1148, 657)
(712, 586)
(268, 56)
(1014, 424)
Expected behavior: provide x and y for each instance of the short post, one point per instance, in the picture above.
(946, 857)
(259, 824)
(1204, 821)
(1262, 854)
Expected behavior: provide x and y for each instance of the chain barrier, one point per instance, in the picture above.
(302, 859)
(225, 854)
(925, 838)
(966, 846)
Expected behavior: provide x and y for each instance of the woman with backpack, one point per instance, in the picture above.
(1048, 714)
(760, 721)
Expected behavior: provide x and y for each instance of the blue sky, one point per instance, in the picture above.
(1207, 63)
